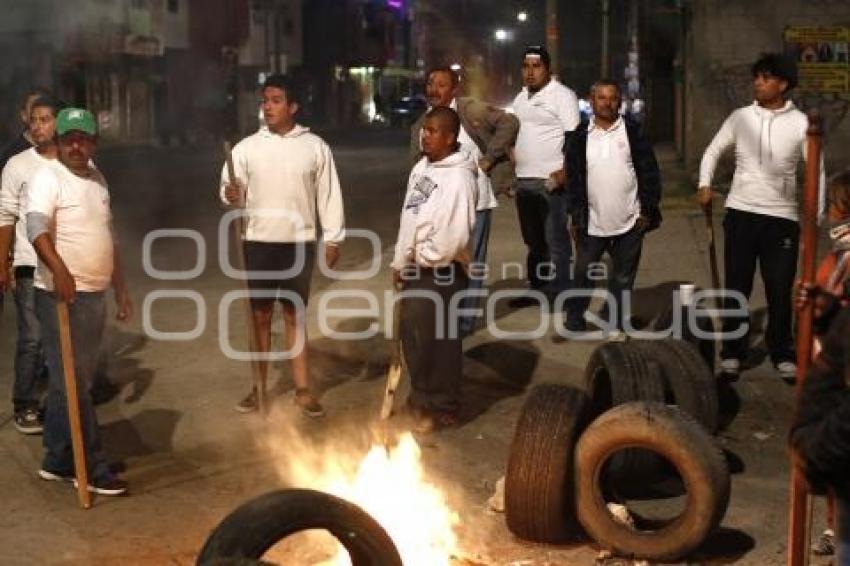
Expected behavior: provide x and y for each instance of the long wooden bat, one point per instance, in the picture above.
(238, 235)
(712, 246)
(74, 420)
(396, 367)
(800, 511)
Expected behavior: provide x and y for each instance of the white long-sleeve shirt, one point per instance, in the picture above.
(768, 147)
(17, 174)
(292, 187)
(438, 212)
(544, 118)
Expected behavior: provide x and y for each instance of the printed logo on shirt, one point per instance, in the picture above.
(420, 194)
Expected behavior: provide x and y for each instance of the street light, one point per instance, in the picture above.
(522, 16)
(500, 35)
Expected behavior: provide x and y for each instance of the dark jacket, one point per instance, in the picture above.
(493, 130)
(820, 432)
(646, 170)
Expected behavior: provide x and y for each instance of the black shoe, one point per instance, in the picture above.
(29, 421)
(107, 486)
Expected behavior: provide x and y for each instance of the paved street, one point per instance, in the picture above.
(191, 459)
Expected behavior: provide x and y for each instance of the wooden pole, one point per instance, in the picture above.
(395, 370)
(73, 402)
(712, 246)
(799, 518)
(259, 378)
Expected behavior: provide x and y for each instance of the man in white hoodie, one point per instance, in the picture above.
(761, 223)
(287, 182)
(429, 264)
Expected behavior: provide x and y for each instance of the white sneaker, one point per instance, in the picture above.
(787, 370)
(730, 366)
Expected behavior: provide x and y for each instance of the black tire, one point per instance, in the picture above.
(705, 347)
(539, 492)
(686, 445)
(256, 526)
(618, 373)
(688, 382)
(704, 382)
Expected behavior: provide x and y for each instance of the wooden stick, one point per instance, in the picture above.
(395, 370)
(238, 235)
(73, 402)
(712, 246)
(799, 519)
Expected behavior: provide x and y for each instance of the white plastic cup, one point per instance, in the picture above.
(686, 293)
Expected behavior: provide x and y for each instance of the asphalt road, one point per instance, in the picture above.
(191, 459)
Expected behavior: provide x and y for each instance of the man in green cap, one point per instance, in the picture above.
(69, 223)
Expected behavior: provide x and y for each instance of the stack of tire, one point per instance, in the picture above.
(646, 404)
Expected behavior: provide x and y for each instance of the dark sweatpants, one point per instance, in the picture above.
(773, 243)
(435, 364)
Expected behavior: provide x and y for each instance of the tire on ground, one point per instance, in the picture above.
(688, 382)
(618, 373)
(705, 384)
(686, 445)
(256, 526)
(539, 503)
(705, 346)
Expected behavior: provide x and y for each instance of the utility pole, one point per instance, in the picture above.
(606, 17)
(552, 34)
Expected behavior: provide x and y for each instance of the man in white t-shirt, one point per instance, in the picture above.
(547, 111)
(16, 176)
(487, 133)
(69, 223)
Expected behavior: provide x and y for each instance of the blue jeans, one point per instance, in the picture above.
(842, 533)
(87, 319)
(625, 251)
(543, 223)
(28, 360)
(478, 245)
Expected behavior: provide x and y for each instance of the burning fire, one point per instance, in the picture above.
(388, 483)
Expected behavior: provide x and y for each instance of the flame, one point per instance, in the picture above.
(389, 483)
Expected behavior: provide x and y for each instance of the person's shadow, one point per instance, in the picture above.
(117, 369)
(494, 371)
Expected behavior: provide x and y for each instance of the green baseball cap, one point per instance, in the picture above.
(75, 120)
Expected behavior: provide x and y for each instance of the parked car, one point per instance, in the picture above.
(407, 110)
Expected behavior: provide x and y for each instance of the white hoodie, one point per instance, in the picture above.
(292, 187)
(438, 212)
(768, 146)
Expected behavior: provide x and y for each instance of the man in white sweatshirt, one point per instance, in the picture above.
(761, 223)
(16, 176)
(429, 263)
(287, 182)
